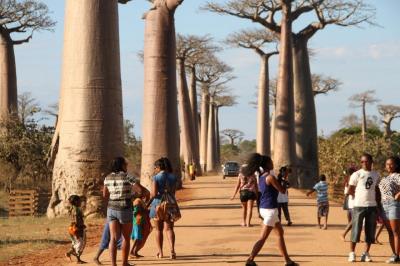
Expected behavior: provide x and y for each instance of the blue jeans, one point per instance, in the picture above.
(122, 216)
(360, 214)
(105, 238)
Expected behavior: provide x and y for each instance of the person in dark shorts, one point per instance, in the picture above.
(364, 189)
(248, 189)
(322, 200)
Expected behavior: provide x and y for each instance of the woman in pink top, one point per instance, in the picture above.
(247, 185)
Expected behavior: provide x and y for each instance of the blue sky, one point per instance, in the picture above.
(361, 58)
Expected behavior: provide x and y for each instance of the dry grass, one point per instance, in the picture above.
(22, 235)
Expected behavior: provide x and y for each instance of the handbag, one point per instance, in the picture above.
(168, 209)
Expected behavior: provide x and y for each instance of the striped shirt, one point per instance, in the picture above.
(322, 191)
(119, 186)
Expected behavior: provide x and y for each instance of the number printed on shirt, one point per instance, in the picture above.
(369, 183)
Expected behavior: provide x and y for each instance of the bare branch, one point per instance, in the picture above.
(360, 99)
(323, 85)
(24, 16)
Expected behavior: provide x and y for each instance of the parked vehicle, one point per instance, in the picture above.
(230, 168)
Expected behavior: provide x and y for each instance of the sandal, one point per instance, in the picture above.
(291, 263)
(251, 263)
(159, 256)
(173, 256)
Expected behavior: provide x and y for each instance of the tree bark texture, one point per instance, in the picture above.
(217, 140)
(188, 136)
(364, 122)
(195, 114)
(90, 122)
(211, 142)
(205, 101)
(263, 145)
(8, 77)
(284, 144)
(160, 117)
(272, 137)
(305, 118)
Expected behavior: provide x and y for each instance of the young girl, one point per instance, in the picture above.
(141, 221)
(76, 229)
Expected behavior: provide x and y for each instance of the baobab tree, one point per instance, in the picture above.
(219, 102)
(22, 18)
(89, 131)
(186, 46)
(212, 73)
(27, 106)
(160, 114)
(361, 100)
(341, 13)
(257, 40)
(203, 46)
(389, 113)
(233, 135)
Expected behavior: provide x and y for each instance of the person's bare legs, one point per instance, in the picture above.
(395, 226)
(265, 231)
(249, 212)
(244, 214)
(281, 242)
(158, 228)
(326, 222)
(319, 222)
(115, 233)
(346, 230)
(126, 230)
(135, 242)
(169, 228)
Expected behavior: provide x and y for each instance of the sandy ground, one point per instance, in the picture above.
(209, 232)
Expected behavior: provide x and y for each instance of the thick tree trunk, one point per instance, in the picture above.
(160, 116)
(8, 78)
(205, 101)
(387, 122)
(263, 125)
(364, 123)
(195, 114)
(211, 142)
(284, 144)
(217, 140)
(186, 118)
(272, 137)
(305, 117)
(90, 122)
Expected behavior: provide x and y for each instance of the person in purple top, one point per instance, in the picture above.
(269, 188)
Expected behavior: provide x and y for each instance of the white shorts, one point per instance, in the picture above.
(270, 216)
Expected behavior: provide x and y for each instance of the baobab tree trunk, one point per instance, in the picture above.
(195, 114)
(211, 144)
(387, 122)
(364, 123)
(160, 116)
(205, 101)
(90, 122)
(305, 117)
(8, 77)
(272, 137)
(284, 144)
(263, 126)
(188, 139)
(217, 139)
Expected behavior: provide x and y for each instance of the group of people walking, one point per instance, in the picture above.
(129, 210)
(369, 197)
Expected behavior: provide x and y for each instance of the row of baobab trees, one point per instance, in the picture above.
(89, 130)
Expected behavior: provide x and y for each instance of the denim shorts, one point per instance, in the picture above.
(122, 216)
(391, 210)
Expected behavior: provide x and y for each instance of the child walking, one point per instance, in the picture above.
(76, 230)
(141, 227)
(322, 200)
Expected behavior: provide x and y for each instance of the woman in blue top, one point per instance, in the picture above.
(164, 179)
(269, 188)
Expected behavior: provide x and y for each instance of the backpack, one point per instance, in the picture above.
(168, 209)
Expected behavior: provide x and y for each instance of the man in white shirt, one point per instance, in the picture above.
(363, 186)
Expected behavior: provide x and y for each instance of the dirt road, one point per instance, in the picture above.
(209, 232)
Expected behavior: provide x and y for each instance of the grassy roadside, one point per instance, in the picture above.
(22, 235)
